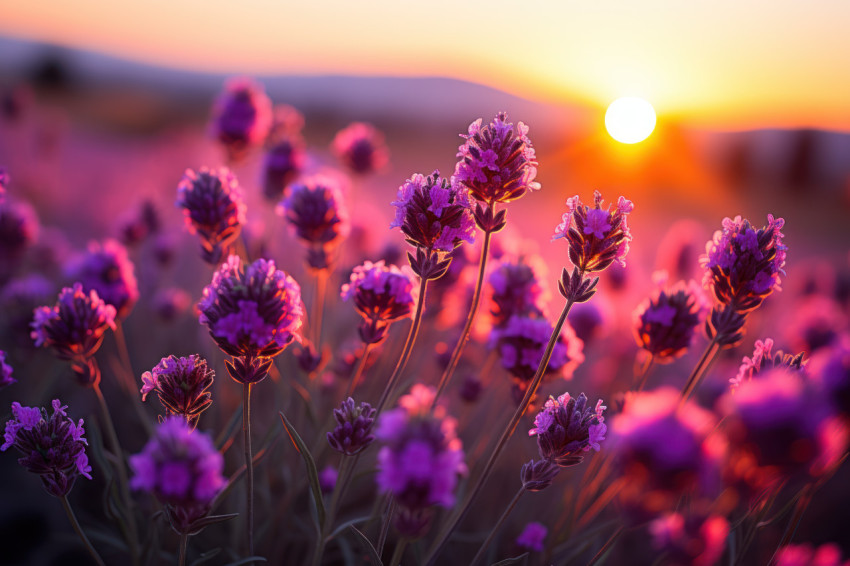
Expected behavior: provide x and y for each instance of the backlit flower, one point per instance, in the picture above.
(596, 237)
(107, 269)
(182, 385)
(381, 294)
(242, 116)
(361, 148)
(665, 322)
(567, 428)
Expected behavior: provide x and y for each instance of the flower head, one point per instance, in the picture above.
(74, 328)
(764, 359)
(6, 378)
(743, 264)
(361, 148)
(213, 208)
(666, 321)
(253, 312)
(242, 116)
(52, 446)
(182, 385)
(567, 428)
(516, 291)
(433, 213)
(381, 295)
(284, 161)
(106, 269)
(353, 431)
(830, 369)
(532, 537)
(497, 162)
(694, 540)
(597, 237)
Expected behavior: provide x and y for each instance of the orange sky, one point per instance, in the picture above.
(780, 63)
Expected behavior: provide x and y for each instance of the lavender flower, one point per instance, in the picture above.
(567, 428)
(497, 162)
(251, 313)
(420, 459)
(353, 431)
(242, 116)
(596, 237)
(830, 369)
(182, 385)
(170, 303)
(106, 269)
(17, 301)
(4, 183)
(53, 447)
(764, 359)
(516, 291)
(328, 478)
(381, 295)
(537, 475)
(74, 328)
(361, 148)
(18, 231)
(284, 161)
(532, 537)
(471, 388)
(182, 469)
(804, 555)
(6, 378)
(666, 321)
(693, 540)
(213, 208)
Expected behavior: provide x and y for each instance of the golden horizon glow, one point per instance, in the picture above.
(630, 119)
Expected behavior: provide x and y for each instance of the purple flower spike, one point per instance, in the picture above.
(242, 116)
(283, 163)
(317, 212)
(381, 295)
(361, 148)
(566, 428)
(516, 291)
(497, 162)
(52, 447)
(420, 460)
(74, 328)
(182, 469)
(764, 359)
(353, 431)
(696, 539)
(532, 537)
(182, 385)
(6, 378)
(664, 324)
(213, 208)
(597, 237)
(106, 269)
(251, 313)
(537, 475)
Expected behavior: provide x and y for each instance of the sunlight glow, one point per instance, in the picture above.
(630, 119)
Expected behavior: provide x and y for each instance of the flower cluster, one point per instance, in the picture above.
(52, 446)
(106, 269)
(213, 208)
(242, 116)
(597, 237)
(497, 162)
(74, 328)
(420, 460)
(182, 469)
(6, 378)
(381, 295)
(666, 321)
(764, 359)
(182, 385)
(353, 431)
(252, 312)
(361, 148)
(567, 428)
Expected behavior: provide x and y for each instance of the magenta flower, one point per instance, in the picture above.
(804, 555)
(213, 208)
(353, 431)
(497, 162)
(6, 378)
(182, 469)
(74, 328)
(420, 460)
(597, 237)
(665, 322)
(53, 447)
(242, 116)
(695, 539)
(361, 148)
(567, 428)
(328, 478)
(283, 163)
(764, 359)
(182, 385)
(106, 269)
(532, 537)
(381, 295)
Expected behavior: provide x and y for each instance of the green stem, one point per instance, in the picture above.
(702, 365)
(480, 554)
(76, 524)
(358, 371)
(184, 542)
(473, 309)
(399, 552)
(249, 462)
(458, 516)
(606, 547)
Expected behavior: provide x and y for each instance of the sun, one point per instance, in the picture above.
(630, 119)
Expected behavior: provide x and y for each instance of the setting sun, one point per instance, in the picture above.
(630, 119)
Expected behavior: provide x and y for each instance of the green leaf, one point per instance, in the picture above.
(373, 554)
(515, 560)
(312, 472)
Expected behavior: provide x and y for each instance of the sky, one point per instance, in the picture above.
(719, 64)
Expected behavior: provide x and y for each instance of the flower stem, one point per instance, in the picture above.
(480, 554)
(699, 371)
(799, 509)
(358, 371)
(458, 516)
(76, 524)
(644, 373)
(398, 552)
(249, 462)
(318, 308)
(385, 524)
(405, 352)
(184, 541)
(473, 310)
(124, 484)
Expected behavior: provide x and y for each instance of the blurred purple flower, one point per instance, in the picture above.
(53, 447)
(18, 231)
(361, 148)
(566, 428)
(213, 208)
(283, 163)
(471, 388)
(242, 116)
(106, 269)
(597, 237)
(18, 299)
(4, 183)
(382, 295)
(664, 323)
(182, 385)
(327, 479)
(830, 368)
(516, 291)
(6, 370)
(804, 555)
(353, 431)
(497, 162)
(170, 303)
(532, 537)
(694, 540)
